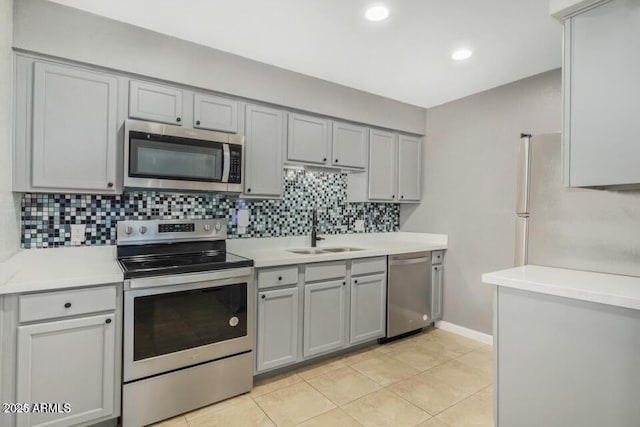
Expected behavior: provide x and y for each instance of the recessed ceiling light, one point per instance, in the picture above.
(377, 13)
(461, 54)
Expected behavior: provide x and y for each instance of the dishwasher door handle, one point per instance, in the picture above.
(409, 261)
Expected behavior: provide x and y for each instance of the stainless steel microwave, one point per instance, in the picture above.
(167, 157)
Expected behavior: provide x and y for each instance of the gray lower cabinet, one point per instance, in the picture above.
(437, 282)
(324, 317)
(382, 165)
(265, 139)
(409, 168)
(308, 139)
(277, 341)
(368, 307)
(74, 138)
(67, 361)
(215, 113)
(158, 103)
(349, 145)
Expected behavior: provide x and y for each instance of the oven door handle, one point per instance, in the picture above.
(178, 279)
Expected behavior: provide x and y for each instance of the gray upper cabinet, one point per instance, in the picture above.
(324, 317)
(368, 304)
(601, 92)
(264, 134)
(308, 139)
(277, 328)
(150, 101)
(71, 361)
(409, 168)
(215, 113)
(349, 145)
(382, 165)
(74, 129)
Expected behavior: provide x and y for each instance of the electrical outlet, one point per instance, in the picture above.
(78, 233)
(359, 226)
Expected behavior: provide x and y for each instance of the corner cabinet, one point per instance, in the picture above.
(601, 92)
(265, 139)
(66, 136)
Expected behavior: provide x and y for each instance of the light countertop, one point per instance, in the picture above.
(269, 252)
(610, 289)
(58, 268)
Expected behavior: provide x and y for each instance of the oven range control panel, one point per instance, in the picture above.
(139, 232)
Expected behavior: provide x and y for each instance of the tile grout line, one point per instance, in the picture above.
(263, 411)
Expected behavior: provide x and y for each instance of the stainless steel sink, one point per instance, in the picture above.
(341, 249)
(307, 251)
(317, 251)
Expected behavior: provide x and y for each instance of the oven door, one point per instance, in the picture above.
(176, 326)
(182, 160)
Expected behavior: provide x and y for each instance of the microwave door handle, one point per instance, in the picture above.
(226, 163)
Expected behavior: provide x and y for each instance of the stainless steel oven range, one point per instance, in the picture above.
(188, 318)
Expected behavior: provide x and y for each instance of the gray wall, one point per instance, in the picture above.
(469, 185)
(9, 204)
(52, 29)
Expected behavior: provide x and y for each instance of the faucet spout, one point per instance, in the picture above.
(314, 228)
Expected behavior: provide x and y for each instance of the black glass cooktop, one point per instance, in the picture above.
(177, 258)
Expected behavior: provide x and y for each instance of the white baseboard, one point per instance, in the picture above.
(465, 332)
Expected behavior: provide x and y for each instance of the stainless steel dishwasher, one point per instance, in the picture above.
(409, 293)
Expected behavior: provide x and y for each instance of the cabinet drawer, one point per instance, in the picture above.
(66, 303)
(368, 265)
(437, 257)
(271, 277)
(325, 270)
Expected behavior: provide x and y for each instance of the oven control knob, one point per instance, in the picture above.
(128, 230)
(218, 226)
(207, 227)
(142, 229)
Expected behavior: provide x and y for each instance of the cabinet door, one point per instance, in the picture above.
(264, 133)
(277, 328)
(154, 102)
(74, 129)
(349, 147)
(215, 113)
(382, 165)
(308, 139)
(324, 317)
(409, 161)
(70, 361)
(368, 303)
(601, 108)
(437, 283)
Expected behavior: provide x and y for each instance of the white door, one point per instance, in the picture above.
(215, 113)
(67, 361)
(277, 328)
(74, 129)
(409, 168)
(349, 146)
(308, 139)
(324, 317)
(264, 134)
(368, 303)
(382, 166)
(157, 103)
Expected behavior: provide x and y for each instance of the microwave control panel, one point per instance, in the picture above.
(235, 168)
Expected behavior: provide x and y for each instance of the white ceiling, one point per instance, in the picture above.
(407, 57)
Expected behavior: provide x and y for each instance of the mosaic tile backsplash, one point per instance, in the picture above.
(46, 218)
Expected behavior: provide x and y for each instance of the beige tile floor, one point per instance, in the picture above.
(435, 379)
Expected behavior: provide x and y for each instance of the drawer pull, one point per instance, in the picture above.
(67, 305)
(107, 321)
(279, 277)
